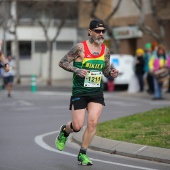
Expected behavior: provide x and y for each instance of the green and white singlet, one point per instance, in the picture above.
(92, 83)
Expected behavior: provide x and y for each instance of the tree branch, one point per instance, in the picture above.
(149, 31)
(154, 11)
(9, 25)
(44, 29)
(59, 29)
(142, 14)
(141, 25)
(95, 4)
(138, 4)
(113, 11)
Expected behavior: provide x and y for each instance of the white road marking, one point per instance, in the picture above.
(39, 141)
(25, 103)
(58, 107)
(157, 103)
(16, 103)
(120, 103)
(42, 95)
(26, 108)
(53, 93)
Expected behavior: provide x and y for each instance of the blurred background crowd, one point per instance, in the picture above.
(152, 64)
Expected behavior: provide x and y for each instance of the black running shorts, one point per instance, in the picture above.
(81, 102)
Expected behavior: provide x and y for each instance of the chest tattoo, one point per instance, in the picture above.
(95, 53)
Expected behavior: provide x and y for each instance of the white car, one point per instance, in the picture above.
(125, 64)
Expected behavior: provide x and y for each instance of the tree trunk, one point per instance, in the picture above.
(49, 82)
(113, 43)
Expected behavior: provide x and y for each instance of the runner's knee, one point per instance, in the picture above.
(74, 129)
(92, 125)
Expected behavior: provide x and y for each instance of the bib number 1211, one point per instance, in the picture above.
(93, 79)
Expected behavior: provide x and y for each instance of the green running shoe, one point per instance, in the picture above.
(84, 160)
(61, 139)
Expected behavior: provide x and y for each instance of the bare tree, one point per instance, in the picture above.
(45, 18)
(50, 43)
(159, 37)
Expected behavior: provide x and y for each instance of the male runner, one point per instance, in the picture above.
(90, 58)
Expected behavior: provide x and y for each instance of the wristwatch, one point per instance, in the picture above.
(5, 64)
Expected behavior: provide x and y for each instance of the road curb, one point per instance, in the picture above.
(125, 148)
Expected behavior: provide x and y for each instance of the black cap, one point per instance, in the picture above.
(95, 23)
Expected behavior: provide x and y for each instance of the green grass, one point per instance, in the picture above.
(150, 128)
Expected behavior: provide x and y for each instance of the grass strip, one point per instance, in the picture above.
(150, 128)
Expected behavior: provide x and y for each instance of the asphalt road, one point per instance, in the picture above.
(29, 124)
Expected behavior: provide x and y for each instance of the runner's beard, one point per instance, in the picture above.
(99, 40)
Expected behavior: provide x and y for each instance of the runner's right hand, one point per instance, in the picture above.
(81, 72)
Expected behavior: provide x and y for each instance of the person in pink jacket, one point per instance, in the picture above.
(157, 61)
(168, 65)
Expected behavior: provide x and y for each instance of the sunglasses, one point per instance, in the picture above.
(99, 31)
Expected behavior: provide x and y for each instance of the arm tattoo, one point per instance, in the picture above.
(72, 55)
(107, 70)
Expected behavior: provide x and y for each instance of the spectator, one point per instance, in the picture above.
(139, 68)
(168, 90)
(168, 65)
(154, 47)
(149, 76)
(9, 76)
(157, 61)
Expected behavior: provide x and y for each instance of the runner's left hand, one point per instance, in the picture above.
(114, 73)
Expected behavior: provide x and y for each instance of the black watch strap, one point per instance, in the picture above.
(5, 64)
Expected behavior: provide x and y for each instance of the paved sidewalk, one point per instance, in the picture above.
(126, 149)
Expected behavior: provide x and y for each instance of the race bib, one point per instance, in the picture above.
(93, 79)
